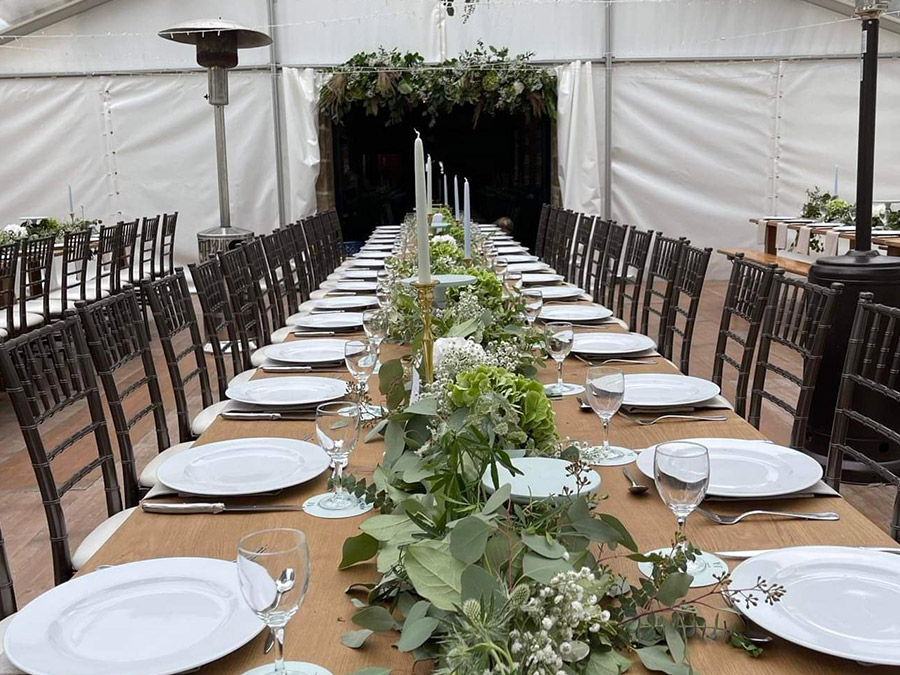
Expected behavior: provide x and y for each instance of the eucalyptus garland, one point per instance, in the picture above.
(398, 85)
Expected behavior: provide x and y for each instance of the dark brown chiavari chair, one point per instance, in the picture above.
(541, 237)
(179, 334)
(561, 256)
(7, 594)
(605, 290)
(797, 319)
(166, 264)
(685, 304)
(46, 371)
(243, 292)
(631, 280)
(73, 286)
(35, 274)
(315, 245)
(554, 225)
(127, 246)
(218, 323)
(282, 275)
(869, 399)
(147, 251)
(595, 256)
(9, 264)
(745, 299)
(660, 287)
(267, 296)
(107, 266)
(116, 338)
(295, 240)
(578, 265)
(335, 238)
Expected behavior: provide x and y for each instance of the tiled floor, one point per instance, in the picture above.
(24, 525)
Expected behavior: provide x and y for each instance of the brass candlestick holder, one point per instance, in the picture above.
(426, 302)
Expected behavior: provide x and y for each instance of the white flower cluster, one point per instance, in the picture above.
(444, 238)
(564, 614)
(453, 356)
(506, 354)
(466, 307)
(17, 231)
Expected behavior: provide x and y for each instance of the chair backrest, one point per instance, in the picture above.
(296, 241)
(45, 372)
(176, 323)
(685, 304)
(335, 238)
(76, 254)
(581, 250)
(107, 270)
(167, 244)
(9, 264)
(315, 247)
(605, 292)
(218, 323)
(267, 295)
(541, 237)
(660, 287)
(798, 319)
(35, 274)
(562, 255)
(7, 594)
(250, 321)
(869, 397)
(116, 337)
(554, 225)
(127, 247)
(745, 299)
(147, 254)
(283, 289)
(631, 279)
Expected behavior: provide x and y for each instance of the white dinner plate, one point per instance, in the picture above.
(360, 274)
(541, 477)
(377, 246)
(329, 321)
(838, 600)
(611, 344)
(381, 255)
(511, 250)
(528, 267)
(750, 469)
(318, 350)
(538, 278)
(153, 617)
(382, 239)
(341, 302)
(367, 262)
(288, 391)
(244, 466)
(388, 228)
(559, 292)
(658, 390)
(519, 258)
(574, 312)
(357, 285)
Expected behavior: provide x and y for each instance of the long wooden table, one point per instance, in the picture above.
(314, 633)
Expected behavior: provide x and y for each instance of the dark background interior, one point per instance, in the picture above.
(506, 158)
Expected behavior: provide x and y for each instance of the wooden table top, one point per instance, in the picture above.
(314, 633)
(884, 240)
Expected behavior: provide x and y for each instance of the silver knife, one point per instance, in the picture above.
(309, 333)
(744, 555)
(216, 507)
(272, 416)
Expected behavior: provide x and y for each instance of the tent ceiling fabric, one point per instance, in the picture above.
(14, 11)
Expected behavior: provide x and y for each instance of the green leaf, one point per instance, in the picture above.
(479, 584)
(394, 442)
(468, 539)
(355, 638)
(416, 633)
(372, 671)
(607, 663)
(424, 406)
(464, 329)
(375, 618)
(625, 537)
(357, 549)
(657, 658)
(418, 611)
(674, 641)
(597, 530)
(675, 587)
(496, 500)
(540, 544)
(543, 569)
(395, 529)
(436, 575)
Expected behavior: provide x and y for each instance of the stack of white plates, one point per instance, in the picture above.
(560, 292)
(380, 255)
(659, 390)
(367, 262)
(360, 274)
(357, 286)
(612, 344)
(346, 321)
(536, 278)
(340, 303)
(519, 258)
(528, 267)
(293, 392)
(310, 352)
(574, 313)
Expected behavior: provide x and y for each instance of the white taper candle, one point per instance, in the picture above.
(467, 221)
(422, 214)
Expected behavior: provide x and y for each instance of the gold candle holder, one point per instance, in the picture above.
(426, 302)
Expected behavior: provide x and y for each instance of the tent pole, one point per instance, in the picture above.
(607, 121)
(276, 114)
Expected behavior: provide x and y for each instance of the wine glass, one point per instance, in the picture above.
(512, 282)
(383, 294)
(374, 325)
(534, 302)
(273, 573)
(337, 430)
(604, 388)
(681, 471)
(559, 336)
(360, 357)
(500, 266)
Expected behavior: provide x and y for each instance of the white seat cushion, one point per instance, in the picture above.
(240, 378)
(90, 293)
(282, 334)
(258, 357)
(31, 321)
(148, 475)
(99, 536)
(6, 668)
(207, 416)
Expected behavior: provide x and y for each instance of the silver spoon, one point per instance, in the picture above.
(583, 405)
(283, 584)
(635, 488)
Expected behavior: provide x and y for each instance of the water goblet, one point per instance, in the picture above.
(273, 573)
(360, 356)
(558, 337)
(374, 326)
(534, 302)
(500, 266)
(337, 430)
(604, 388)
(512, 283)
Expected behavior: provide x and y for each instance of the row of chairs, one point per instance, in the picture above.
(57, 366)
(125, 253)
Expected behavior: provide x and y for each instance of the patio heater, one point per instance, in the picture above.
(217, 44)
(861, 269)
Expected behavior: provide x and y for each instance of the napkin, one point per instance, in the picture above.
(831, 243)
(761, 227)
(820, 489)
(781, 236)
(803, 235)
(715, 403)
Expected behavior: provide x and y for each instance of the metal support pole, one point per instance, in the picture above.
(222, 165)
(607, 121)
(865, 163)
(276, 113)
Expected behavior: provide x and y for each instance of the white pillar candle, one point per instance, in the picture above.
(429, 181)
(422, 214)
(467, 221)
(446, 199)
(456, 195)
(71, 201)
(837, 177)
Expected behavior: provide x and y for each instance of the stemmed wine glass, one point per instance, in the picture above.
(534, 302)
(512, 282)
(559, 336)
(273, 573)
(361, 356)
(374, 325)
(604, 388)
(681, 471)
(500, 266)
(337, 430)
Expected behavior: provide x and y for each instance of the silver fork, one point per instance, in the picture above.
(655, 420)
(638, 362)
(731, 520)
